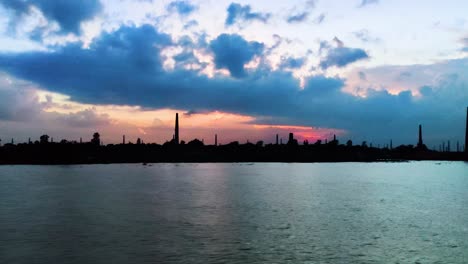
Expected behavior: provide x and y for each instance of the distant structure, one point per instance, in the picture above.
(216, 139)
(292, 141)
(466, 132)
(420, 140)
(277, 139)
(176, 133)
(123, 139)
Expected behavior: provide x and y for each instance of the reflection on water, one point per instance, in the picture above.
(235, 213)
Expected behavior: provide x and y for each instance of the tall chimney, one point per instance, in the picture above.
(277, 139)
(466, 132)
(123, 139)
(176, 135)
(420, 141)
(216, 139)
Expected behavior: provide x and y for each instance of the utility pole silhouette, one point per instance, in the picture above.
(176, 134)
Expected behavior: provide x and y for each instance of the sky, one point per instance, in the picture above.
(365, 70)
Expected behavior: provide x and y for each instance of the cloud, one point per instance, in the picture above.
(238, 13)
(365, 36)
(23, 114)
(311, 3)
(87, 118)
(464, 42)
(342, 56)
(362, 76)
(184, 8)
(297, 18)
(292, 63)
(368, 2)
(68, 14)
(338, 42)
(232, 52)
(18, 101)
(320, 18)
(124, 67)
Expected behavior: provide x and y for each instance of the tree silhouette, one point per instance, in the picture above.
(44, 139)
(96, 139)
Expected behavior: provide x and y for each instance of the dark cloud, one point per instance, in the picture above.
(68, 14)
(184, 8)
(232, 52)
(19, 7)
(297, 18)
(367, 2)
(124, 68)
(238, 13)
(191, 23)
(292, 63)
(342, 56)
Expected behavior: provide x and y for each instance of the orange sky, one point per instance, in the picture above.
(158, 125)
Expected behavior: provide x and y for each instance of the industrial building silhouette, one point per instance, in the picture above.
(94, 151)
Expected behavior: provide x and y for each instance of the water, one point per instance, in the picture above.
(413, 212)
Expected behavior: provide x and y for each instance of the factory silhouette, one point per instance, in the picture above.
(46, 151)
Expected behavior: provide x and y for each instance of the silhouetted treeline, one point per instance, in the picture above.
(64, 152)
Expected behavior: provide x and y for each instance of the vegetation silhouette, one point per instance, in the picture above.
(72, 152)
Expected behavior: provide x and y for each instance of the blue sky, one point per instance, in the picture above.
(365, 69)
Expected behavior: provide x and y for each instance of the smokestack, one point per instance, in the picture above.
(216, 139)
(123, 139)
(420, 141)
(466, 131)
(277, 139)
(176, 135)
